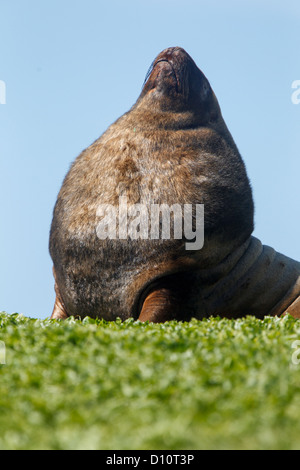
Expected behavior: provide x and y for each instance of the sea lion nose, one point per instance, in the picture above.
(179, 51)
(170, 52)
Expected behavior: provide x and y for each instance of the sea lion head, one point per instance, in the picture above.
(176, 86)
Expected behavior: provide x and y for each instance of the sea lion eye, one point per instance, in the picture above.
(205, 90)
(213, 117)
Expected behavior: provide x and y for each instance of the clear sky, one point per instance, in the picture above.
(71, 67)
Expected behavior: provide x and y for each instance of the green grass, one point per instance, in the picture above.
(212, 384)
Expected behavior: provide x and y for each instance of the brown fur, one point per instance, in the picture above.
(173, 146)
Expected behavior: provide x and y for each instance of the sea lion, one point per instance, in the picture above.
(171, 148)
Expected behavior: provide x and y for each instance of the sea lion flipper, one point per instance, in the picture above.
(161, 305)
(59, 311)
(294, 308)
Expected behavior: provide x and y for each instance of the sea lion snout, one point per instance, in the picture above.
(175, 83)
(161, 77)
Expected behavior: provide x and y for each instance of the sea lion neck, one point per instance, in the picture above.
(176, 90)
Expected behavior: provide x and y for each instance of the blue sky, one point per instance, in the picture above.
(71, 67)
